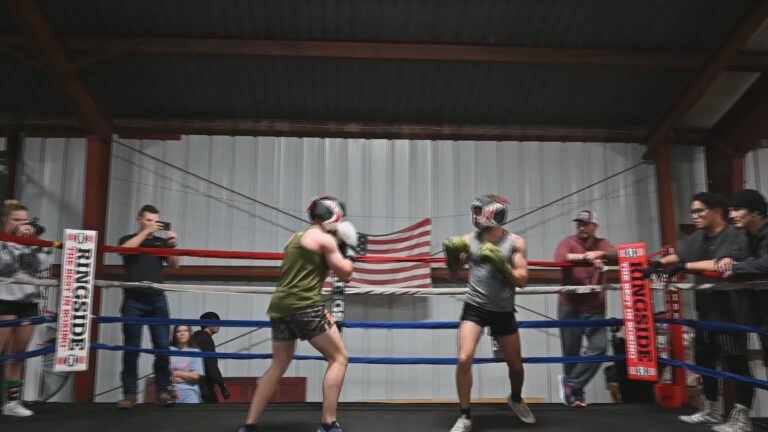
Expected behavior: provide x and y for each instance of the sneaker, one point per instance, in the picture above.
(566, 391)
(707, 414)
(17, 409)
(579, 401)
(127, 402)
(738, 421)
(165, 400)
(335, 427)
(521, 410)
(463, 424)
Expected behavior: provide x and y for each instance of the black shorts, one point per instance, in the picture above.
(304, 324)
(501, 323)
(19, 309)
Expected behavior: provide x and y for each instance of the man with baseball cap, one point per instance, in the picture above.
(584, 247)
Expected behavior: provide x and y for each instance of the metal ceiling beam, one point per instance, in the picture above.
(749, 23)
(103, 48)
(742, 128)
(170, 129)
(326, 129)
(98, 48)
(43, 40)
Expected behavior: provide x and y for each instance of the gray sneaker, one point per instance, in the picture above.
(521, 410)
(738, 421)
(707, 415)
(463, 424)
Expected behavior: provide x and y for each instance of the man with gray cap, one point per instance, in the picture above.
(582, 248)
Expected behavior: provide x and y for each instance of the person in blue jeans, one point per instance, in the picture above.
(146, 303)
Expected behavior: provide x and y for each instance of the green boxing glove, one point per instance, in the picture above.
(454, 247)
(489, 253)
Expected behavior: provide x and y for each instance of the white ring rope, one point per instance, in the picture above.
(234, 289)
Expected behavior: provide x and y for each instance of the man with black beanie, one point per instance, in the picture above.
(212, 377)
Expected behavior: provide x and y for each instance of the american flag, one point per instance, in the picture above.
(413, 241)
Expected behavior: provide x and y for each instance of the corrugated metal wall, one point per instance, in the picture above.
(386, 184)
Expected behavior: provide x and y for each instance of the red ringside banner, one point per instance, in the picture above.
(78, 271)
(637, 302)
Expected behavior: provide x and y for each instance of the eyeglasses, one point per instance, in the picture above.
(698, 212)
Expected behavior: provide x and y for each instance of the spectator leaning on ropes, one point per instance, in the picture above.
(584, 247)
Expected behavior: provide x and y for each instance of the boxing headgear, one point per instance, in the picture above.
(487, 213)
(326, 210)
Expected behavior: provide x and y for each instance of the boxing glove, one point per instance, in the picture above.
(347, 233)
(488, 253)
(454, 247)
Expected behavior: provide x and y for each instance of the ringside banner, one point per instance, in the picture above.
(78, 271)
(637, 303)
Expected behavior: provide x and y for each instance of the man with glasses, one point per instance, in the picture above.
(582, 248)
(713, 240)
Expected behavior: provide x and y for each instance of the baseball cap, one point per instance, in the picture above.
(587, 216)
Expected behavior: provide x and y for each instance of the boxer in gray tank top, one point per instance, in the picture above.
(497, 264)
(488, 288)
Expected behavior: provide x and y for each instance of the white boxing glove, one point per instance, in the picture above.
(347, 233)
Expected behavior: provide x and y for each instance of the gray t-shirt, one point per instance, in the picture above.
(722, 302)
(488, 288)
(730, 242)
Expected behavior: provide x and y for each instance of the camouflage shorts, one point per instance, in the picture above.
(304, 324)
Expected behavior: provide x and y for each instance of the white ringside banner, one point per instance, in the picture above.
(78, 272)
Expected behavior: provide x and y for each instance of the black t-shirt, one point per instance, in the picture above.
(714, 304)
(144, 268)
(212, 375)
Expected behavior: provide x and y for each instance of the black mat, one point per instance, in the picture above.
(354, 418)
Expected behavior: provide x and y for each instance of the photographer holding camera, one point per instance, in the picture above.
(146, 303)
(19, 301)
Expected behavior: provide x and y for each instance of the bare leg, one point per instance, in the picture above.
(469, 336)
(332, 347)
(20, 337)
(510, 344)
(282, 354)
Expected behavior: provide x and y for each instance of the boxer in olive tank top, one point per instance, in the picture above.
(297, 312)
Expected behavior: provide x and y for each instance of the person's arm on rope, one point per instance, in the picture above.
(754, 266)
(658, 267)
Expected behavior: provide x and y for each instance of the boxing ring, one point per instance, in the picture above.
(371, 417)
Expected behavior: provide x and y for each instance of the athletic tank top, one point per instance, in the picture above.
(301, 279)
(488, 288)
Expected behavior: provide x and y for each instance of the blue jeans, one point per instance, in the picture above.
(145, 307)
(579, 375)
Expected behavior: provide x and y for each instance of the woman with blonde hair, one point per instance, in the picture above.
(18, 301)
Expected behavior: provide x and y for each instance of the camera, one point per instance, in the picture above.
(166, 225)
(35, 224)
